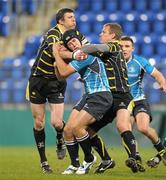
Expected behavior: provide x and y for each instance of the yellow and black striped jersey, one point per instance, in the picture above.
(116, 68)
(43, 65)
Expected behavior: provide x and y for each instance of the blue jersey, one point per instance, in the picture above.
(136, 68)
(92, 71)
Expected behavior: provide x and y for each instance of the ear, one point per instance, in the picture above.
(113, 35)
(61, 22)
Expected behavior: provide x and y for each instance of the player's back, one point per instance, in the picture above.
(93, 74)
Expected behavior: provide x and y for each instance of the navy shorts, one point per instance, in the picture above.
(96, 104)
(41, 89)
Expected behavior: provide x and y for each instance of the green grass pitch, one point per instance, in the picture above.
(22, 163)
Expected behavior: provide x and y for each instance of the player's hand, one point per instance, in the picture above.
(79, 55)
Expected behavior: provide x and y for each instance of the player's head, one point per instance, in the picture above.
(72, 39)
(110, 31)
(66, 18)
(127, 45)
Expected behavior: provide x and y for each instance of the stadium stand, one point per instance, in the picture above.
(144, 20)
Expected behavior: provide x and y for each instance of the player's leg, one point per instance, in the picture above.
(128, 139)
(83, 120)
(98, 144)
(71, 143)
(38, 111)
(143, 120)
(57, 122)
(55, 95)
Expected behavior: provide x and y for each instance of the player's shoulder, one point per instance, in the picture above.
(139, 58)
(54, 30)
(84, 40)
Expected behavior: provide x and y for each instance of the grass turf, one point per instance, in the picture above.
(22, 163)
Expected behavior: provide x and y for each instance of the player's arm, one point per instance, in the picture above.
(159, 77)
(59, 77)
(93, 48)
(64, 69)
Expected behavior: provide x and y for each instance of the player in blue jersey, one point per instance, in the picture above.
(137, 66)
(93, 105)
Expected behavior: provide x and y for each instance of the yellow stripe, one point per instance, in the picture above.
(113, 87)
(47, 53)
(131, 106)
(46, 72)
(162, 152)
(50, 43)
(102, 145)
(110, 69)
(126, 147)
(27, 92)
(56, 30)
(110, 78)
(52, 36)
(113, 46)
(48, 64)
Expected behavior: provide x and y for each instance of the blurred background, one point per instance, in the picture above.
(22, 24)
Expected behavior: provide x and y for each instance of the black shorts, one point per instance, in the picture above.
(142, 106)
(40, 90)
(120, 101)
(95, 104)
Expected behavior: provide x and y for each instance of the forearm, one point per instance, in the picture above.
(159, 78)
(59, 77)
(61, 65)
(93, 48)
(66, 54)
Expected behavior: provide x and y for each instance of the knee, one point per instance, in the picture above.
(57, 123)
(39, 122)
(68, 131)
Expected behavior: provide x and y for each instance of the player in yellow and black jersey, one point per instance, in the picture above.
(116, 68)
(111, 53)
(44, 86)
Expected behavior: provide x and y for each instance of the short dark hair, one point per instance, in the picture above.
(61, 12)
(68, 35)
(127, 38)
(115, 28)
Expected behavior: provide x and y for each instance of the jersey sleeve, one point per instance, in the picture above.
(78, 65)
(146, 65)
(83, 39)
(114, 46)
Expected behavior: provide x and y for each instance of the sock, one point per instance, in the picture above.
(138, 157)
(99, 146)
(159, 147)
(60, 132)
(72, 147)
(129, 143)
(86, 147)
(40, 143)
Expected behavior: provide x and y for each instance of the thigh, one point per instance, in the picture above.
(84, 119)
(123, 120)
(38, 111)
(57, 111)
(142, 120)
